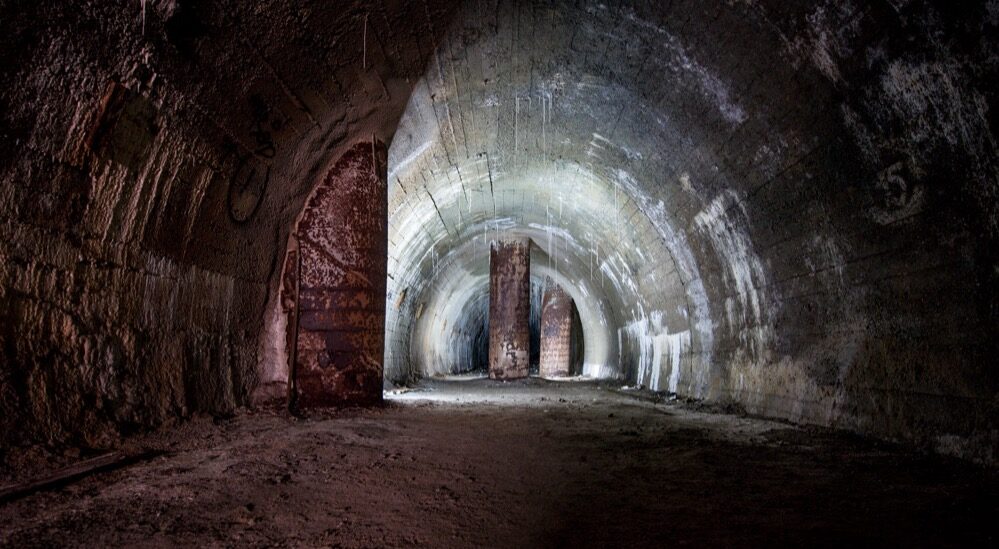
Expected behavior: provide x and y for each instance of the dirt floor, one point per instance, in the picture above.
(528, 464)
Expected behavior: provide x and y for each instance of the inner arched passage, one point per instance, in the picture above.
(486, 151)
(603, 257)
(713, 235)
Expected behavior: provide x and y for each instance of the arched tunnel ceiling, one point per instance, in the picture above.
(618, 144)
(717, 185)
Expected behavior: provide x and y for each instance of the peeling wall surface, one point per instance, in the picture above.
(338, 325)
(789, 207)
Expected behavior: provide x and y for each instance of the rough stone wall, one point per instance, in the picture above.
(153, 158)
(509, 308)
(117, 313)
(338, 325)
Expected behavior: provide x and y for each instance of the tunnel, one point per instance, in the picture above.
(502, 273)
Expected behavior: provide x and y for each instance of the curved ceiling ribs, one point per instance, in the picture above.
(574, 145)
(732, 193)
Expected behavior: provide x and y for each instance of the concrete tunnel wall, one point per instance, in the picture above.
(791, 209)
(788, 207)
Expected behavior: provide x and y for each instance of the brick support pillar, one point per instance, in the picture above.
(342, 241)
(509, 308)
(556, 332)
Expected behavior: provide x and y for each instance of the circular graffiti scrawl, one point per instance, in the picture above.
(896, 197)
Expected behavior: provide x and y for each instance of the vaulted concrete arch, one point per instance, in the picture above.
(722, 169)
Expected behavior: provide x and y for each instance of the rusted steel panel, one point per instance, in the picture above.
(556, 332)
(340, 300)
(342, 239)
(338, 320)
(509, 308)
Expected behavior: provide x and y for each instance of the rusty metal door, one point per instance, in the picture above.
(339, 332)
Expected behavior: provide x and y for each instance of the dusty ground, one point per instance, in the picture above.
(535, 464)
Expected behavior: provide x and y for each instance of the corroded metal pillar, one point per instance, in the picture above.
(556, 332)
(509, 308)
(343, 240)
